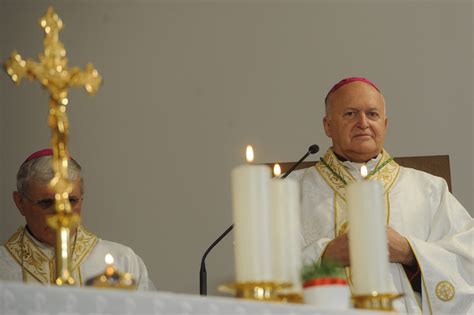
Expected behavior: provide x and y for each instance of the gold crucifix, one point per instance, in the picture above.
(55, 76)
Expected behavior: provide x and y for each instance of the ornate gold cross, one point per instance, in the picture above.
(53, 73)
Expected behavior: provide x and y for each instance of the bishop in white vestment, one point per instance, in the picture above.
(430, 234)
(29, 255)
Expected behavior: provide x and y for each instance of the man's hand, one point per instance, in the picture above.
(398, 248)
(337, 250)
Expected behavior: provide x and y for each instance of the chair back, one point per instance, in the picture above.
(437, 165)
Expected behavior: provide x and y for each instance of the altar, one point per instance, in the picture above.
(19, 298)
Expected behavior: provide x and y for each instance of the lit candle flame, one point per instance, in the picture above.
(109, 259)
(363, 171)
(249, 154)
(276, 170)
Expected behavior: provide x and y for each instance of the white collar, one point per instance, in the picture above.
(354, 167)
(48, 250)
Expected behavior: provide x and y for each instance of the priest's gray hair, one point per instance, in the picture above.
(41, 170)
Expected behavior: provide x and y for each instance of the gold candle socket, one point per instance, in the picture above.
(255, 290)
(375, 301)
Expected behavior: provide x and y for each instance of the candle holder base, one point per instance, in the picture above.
(64, 281)
(113, 279)
(375, 301)
(291, 297)
(255, 290)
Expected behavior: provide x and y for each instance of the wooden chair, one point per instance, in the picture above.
(437, 165)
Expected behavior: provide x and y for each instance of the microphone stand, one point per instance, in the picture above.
(202, 271)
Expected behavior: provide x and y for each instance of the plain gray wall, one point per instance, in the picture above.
(187, 84)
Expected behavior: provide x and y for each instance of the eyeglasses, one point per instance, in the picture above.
(49, 202)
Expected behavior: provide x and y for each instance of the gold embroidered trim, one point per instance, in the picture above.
(23, 250)
(422, 277)
(411, 289)
(37, 265)
(337, 176)
(445, 291)
(85, 242)
(387, 208)
(335, 214)
(331, 178)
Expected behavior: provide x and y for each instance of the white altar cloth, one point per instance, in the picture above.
(19, 298)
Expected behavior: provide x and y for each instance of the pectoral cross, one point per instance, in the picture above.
(55, 76)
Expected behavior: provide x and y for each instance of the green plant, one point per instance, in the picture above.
(324, 269)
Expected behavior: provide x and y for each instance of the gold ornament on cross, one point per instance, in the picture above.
(55, 76)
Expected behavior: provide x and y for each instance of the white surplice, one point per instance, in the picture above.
(420, 207)
(24, 258)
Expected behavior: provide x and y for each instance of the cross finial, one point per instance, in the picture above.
(51, 22)
(52, 70)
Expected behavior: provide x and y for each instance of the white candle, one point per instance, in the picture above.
(367, 237)
(287, 257)
(252, 234)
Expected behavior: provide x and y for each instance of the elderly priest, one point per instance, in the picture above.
(430, 234)
(28, 255)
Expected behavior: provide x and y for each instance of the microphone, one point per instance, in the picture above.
(202, 272)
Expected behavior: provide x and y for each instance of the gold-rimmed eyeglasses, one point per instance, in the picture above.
(49, 202)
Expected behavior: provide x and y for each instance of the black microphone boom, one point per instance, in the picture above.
(311, 150)
(202, 272)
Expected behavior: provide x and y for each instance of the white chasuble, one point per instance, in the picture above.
(24, 258)
(419, 207)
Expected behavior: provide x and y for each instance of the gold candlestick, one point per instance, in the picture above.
(112, 278)
(255, 290)
(375, 301)
(55, 76)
